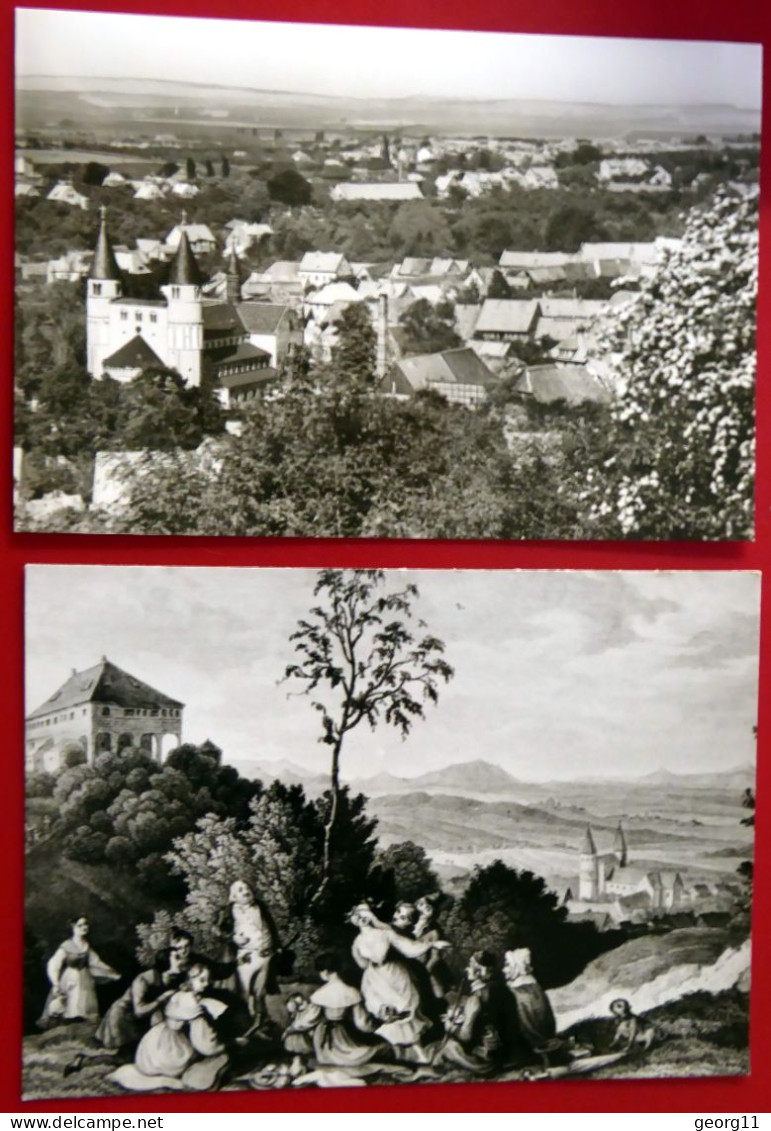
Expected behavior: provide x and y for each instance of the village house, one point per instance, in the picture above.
(64, 192)
(101, 709)
(570, 384)
(320, 267)
(507, 320)
(199, 236)
(459, 375)
(378, 190)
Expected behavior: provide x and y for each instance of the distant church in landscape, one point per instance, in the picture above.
(101, 709)
(238, 345)
(609, 886)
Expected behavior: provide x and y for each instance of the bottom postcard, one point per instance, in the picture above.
(289, 828)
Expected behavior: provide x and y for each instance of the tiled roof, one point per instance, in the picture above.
(506, 315)
(569, 383)
(104, 683)
(460, 367)
(134, 354)
(261, 317)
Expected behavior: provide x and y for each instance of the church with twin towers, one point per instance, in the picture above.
(237, 345)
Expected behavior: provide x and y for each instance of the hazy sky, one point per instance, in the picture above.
(558, 673)
(379, 62)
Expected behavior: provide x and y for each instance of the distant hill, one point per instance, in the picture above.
(737, 778)
(94, 97)
(466, 777)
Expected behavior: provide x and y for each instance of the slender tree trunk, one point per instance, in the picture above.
(326, 858)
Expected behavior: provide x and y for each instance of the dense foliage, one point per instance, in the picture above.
(127, 809)
(676, 457)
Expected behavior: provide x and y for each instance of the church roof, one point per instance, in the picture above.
(588, 847)
(184, 266)
(134, 354)
(105, 682)
(104, 264)
(261, 317)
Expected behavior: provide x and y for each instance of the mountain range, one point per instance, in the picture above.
(478, 777)
(128, 99)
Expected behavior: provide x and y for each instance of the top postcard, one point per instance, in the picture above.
(285, 279)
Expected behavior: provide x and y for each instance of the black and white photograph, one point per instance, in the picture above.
(279, 279)
(297, 828)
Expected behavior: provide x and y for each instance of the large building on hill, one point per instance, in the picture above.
(101, 709)
(223, 339)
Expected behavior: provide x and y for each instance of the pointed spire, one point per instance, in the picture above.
(588, 847)
(184, 267)
(104, 265)
(233, 275)
(619, 845)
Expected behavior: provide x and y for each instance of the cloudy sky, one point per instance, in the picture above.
(379, 62)
(558, 674)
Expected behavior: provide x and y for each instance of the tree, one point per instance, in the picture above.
(498, 287)
(569, 226)
(675, 459)
(354, 354)
(277, 850)
(94, 173)
(503, 908)
(370, 668)
(429, 329)
(190, 168)
(225, 166)
(407, 867)
(291, 188)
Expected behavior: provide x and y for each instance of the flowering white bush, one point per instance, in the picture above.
(681, 440)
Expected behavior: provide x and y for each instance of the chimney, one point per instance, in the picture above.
(381, 357)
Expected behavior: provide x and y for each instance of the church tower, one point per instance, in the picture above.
(104, 285)
(233, 276)
(588, 880)
(619, 846)
(185, 314)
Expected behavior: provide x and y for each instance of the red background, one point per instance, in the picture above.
(737, 20)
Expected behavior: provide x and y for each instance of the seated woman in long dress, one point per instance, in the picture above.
(388, 990)
(130, 1016)
(183, 1051)
(73, 971)
(344, 1036)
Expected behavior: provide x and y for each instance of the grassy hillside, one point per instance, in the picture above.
(701, 1035)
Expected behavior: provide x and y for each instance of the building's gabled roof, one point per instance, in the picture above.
(452, 367)
(569, 383)
(104, 683)
(104, 264)
(634, 902)
(328, 262)
(254, 379)
(524, 260)
(220, 318)
(670, 879)
(239, 354)
(184, 266)
(261, 317)
(134, 354)
(507, 316)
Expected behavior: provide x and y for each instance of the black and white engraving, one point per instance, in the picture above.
(280, 279)
(356, 827)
